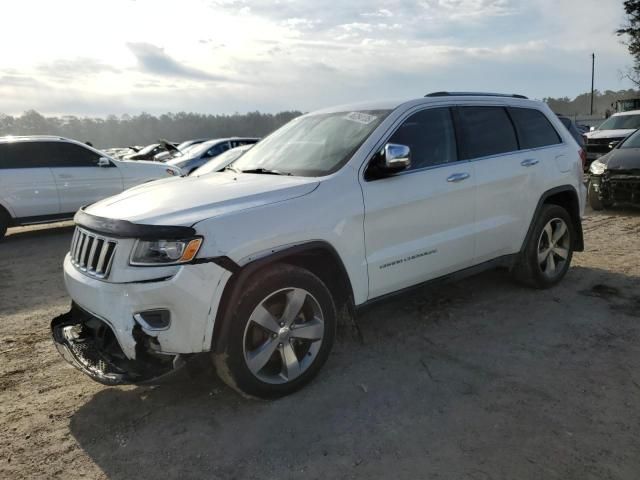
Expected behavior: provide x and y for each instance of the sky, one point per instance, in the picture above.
(94, 58)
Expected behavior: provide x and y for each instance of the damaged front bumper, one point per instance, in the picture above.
(89, 344)
(621, 187)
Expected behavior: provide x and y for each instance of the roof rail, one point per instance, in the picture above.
(474, 94)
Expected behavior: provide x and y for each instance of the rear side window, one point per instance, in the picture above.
(534, 129)
(430, 136)
(486, 131)
(24, 155)
(70, 155)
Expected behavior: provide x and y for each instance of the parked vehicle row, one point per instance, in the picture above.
(334, 211)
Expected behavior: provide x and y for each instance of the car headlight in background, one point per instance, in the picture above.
(597, 167)
(164, 252)
(172, 172)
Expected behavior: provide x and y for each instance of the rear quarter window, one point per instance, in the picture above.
(23, 155)
(485, 131)
(534, 129)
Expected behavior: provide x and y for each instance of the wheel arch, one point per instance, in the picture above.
(4, 210)
(564, 196)
(319, 257)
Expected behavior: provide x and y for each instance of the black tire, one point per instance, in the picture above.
(4, 223)
(231, 364)
(594, 199)
(529, 270)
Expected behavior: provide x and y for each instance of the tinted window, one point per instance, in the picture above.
(24, 155)
(217, 149)
(486, 131)
(534, 130)
(430, 136)
(71, 155)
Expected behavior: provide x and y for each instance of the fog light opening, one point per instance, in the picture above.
(153, 319)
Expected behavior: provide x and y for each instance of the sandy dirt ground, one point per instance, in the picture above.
(478, 380)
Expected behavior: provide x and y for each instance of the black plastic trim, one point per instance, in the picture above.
(578, 244)
(56, 217)
(224, 262)
(125, 229)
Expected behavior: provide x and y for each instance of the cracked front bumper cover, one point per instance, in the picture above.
(89, 344)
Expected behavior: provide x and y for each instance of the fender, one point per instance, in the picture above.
(240, 274)
(5, 206)
(578, 242)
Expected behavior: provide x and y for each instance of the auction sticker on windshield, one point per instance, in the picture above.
(360, 117)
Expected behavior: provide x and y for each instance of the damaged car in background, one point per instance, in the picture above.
(615, 177)
(612, 131)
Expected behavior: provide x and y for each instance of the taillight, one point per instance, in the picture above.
(583, 157)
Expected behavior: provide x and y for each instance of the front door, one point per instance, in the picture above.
(79, 179)
(419, 223)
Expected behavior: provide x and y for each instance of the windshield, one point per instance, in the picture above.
(312, 145)
(221, 161)
(621, 122)
(632, 141)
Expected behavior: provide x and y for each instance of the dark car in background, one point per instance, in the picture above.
(196, 157)
(573, 129)
(616, 128)
(615, 177)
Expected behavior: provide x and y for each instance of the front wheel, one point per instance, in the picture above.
(282, 331)
(548, 252)
(595, 201)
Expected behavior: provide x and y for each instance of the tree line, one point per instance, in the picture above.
(580, 105)
(143, 129)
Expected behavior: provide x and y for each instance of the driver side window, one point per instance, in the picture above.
(431, 137)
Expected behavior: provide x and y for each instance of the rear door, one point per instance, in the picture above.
(79, 179)
(419, 223)
(27, 186)
(506, 176)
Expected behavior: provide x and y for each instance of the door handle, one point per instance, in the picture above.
(529, 162)
(457, 177)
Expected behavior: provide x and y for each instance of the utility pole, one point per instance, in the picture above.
(593, 64)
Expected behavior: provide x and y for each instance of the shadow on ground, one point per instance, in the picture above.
(469, 380)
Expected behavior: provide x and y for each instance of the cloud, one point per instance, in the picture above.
(64, 69)
(154, 60)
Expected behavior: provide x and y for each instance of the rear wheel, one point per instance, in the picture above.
(281, 333)
(547, 255)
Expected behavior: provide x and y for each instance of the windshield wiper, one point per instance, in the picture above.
(265, 171)
(232, 168)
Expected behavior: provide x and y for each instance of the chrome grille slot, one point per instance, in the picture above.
(91, 253)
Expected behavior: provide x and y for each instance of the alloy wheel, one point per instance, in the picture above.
(553, 247)
(283, 335)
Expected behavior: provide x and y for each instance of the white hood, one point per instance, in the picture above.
(609, 133)
(188, 200)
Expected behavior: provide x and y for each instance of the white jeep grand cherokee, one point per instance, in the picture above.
(338, 208)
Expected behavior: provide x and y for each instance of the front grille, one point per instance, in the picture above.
(91, 253)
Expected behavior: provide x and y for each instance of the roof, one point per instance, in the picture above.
(32, 138)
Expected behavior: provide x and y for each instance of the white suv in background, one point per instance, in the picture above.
(45, 179)
(335, 210)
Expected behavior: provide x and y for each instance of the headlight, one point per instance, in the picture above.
(597, 167)
(164, 252)
(172, 172)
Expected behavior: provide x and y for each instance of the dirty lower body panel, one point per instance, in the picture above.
(89, 344)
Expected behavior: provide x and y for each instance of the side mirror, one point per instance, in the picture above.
(613, 144)
(393, 158)
(104, 162)
(396, 157)
(592, 128)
